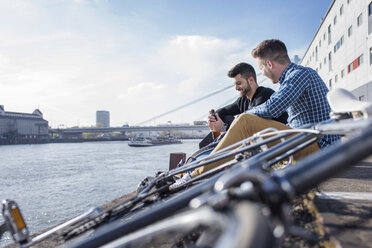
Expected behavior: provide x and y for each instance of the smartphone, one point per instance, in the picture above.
(215, 134)
(213, 113)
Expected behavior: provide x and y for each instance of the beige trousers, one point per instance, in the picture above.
(245, 126)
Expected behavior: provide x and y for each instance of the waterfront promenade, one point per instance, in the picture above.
(345, 204)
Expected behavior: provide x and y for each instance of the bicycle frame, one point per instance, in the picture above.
(239, 225)
(126, 208)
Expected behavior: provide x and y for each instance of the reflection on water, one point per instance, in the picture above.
(55, 182)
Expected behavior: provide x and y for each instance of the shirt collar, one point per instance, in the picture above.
(282, 76)
(256, 92)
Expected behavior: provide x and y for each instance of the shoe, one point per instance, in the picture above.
(180, 182)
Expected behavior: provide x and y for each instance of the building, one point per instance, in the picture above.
(341, 50)
(22, 127)
(296, 59)
(102, 118)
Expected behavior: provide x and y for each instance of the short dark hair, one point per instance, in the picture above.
(244, 69)
(273, 49)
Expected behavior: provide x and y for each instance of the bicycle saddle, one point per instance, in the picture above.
(343, 101)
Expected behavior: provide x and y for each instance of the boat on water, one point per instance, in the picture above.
(140, 142)
(154, 141)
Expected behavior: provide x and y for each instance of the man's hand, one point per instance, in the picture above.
(214, 122)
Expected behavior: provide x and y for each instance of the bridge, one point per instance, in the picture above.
(131, 129)
(77, 132)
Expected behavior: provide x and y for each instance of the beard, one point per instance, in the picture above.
(245, 91)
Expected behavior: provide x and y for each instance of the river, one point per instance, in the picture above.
(55, 182)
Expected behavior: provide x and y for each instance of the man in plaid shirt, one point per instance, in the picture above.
(302, 93)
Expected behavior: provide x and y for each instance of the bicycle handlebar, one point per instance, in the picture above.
(315, 169)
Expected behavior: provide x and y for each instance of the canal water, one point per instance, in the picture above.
(55, 182)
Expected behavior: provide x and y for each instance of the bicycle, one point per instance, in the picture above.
(242, 184)
(262, 160)
(219, 211)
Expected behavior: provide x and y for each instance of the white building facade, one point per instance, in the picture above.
(341, 50)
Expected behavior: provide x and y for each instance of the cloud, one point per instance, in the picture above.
(182, 68)
(73, 58)
(143, 89)
(71, 82)
(195, 66)
(197, 59)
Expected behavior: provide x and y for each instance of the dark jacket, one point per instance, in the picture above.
(242, 104)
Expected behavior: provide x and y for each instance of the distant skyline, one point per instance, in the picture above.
(137, 59)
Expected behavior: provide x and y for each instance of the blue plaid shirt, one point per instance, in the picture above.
(302, 93)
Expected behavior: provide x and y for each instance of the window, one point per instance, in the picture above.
(336, 78)
(329, 34)
(330, 61)
(330, 84)
(348, 1)
(370, 55)
(316, 53)
(342, 73)
(350, 31)
(335, 20)
(370, 18)
(320, 65)
(339, 43)
(361, 98)
(320, 43)
(324, 36)
(355, 64)
(325, 60)
(349, 68)
(359, 20)
(341, 10)
(360, 59)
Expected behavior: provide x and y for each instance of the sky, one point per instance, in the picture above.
(138, 59)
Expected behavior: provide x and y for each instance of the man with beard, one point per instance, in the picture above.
(251, 95)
